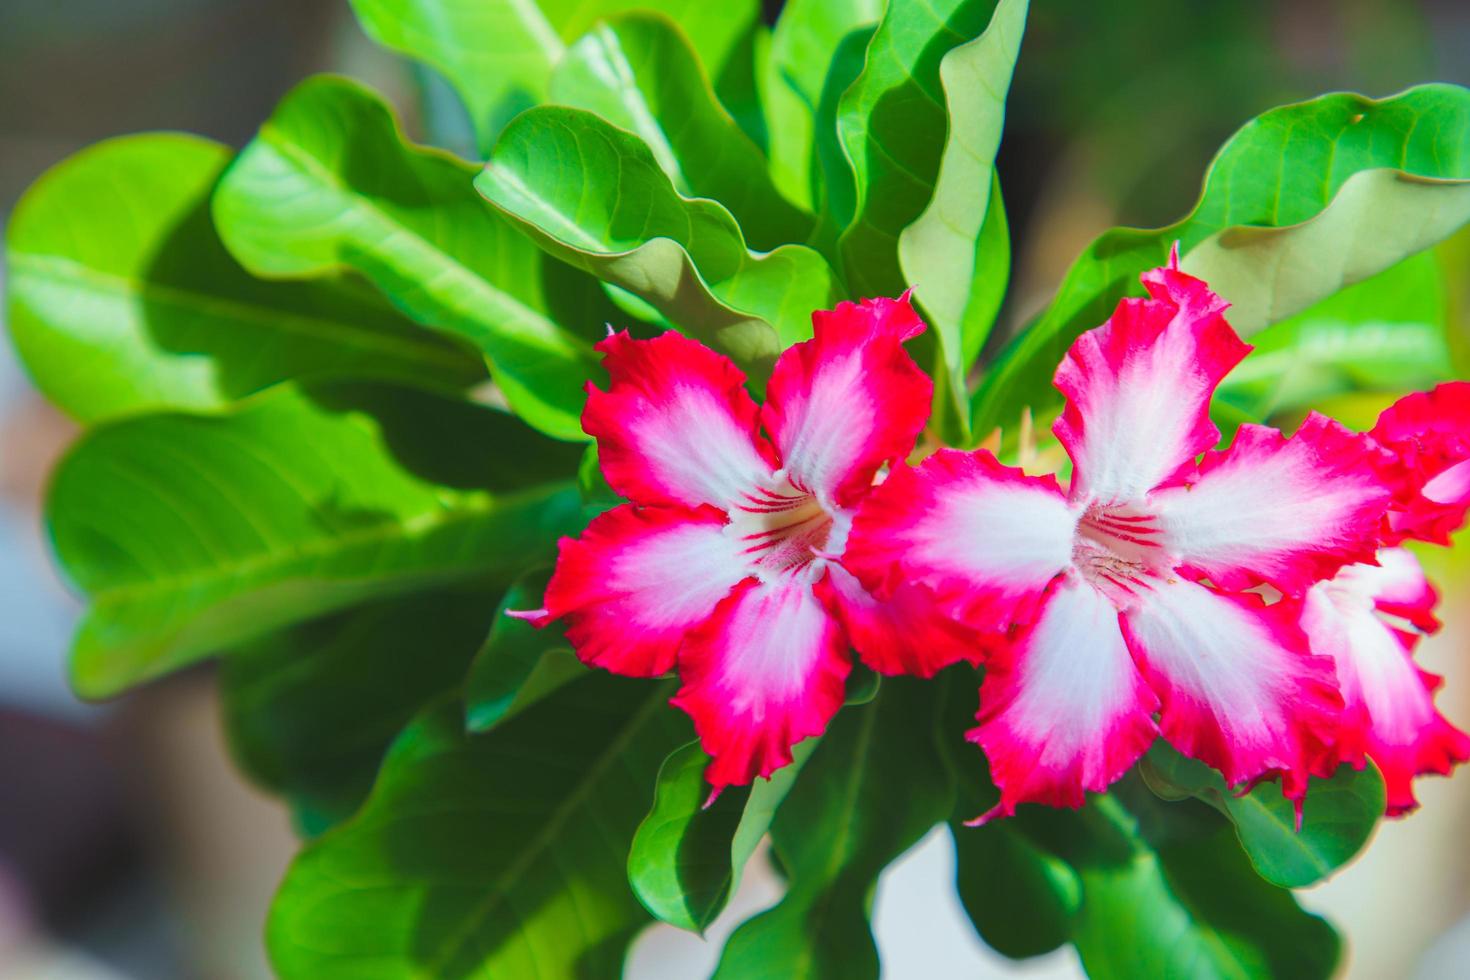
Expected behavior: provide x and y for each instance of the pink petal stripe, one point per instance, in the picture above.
(904, 634)
(1429, 435)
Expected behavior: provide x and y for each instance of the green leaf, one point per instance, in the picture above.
(1338, 817)
(873, 787)
(638, 72)
(310, 711)
(193, 534)
(330, 183)
(518, 664)
(1283, 168)
(687, 858)
(494, 855)
(122, 299)
(593, 195)
(956, 254)
(892, 124)
(499, 56)
(1387, 333)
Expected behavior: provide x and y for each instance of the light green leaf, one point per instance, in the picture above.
(593, 195)
(687, 858)
(638, 72)
(1387, 333)
(122, 300)
(892, 126)
(193, 534)
(1339, 815)
(1283, 168)
(499, 55)
(494, 855)
(310, 711)
(955, 254)
(873, 787)
(330, 183)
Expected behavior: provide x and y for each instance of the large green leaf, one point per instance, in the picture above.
(310, 711)
(956, 254)
(892, 126)
(518, 664)
(1387, 333)
(192, 534)
(594, 195)
(494, 855)
(499, 55)
(1338, 816)
(871, 790)
(689, 853)
(638, 72)
(1283, 168)
(330, 183)
(122, 299)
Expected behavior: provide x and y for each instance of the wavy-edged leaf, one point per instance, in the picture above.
(330, 183)
(956, 253)
(593, 195)
(518, 664)
(873, 787)
(122, 300)
(637, 71)
(1338, 817)
(192, 534)
(1387, 333)
(687, 857)
(493, 855)
(500, 54)
(1283, 168)
(310, 711)
(892, 123)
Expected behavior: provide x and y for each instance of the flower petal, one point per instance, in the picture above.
(984, 537)
(904, 634)
(766, 671)
(1390, 714)
(1429, 435)
(1239, 689)
(847, 401)
(637, 580)
(676, 425)
(1063, 708)
(1270, 509)
(1138, 388)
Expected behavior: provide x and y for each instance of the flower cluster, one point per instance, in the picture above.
(1252, 605)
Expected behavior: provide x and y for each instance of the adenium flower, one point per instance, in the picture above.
(1428, 434)
(1127, 596)
(725, 566)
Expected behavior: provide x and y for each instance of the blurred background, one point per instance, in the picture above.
(129, 846)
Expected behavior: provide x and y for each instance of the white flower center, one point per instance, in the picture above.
(1115, 548)
(786, 530)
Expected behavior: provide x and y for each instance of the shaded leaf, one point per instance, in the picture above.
(1282, 168)
(330, 183)
(518, 664)
(593, 195)
(193, 534)
(493, 855)
(1338, 816)
(310, 711)
(122, 300)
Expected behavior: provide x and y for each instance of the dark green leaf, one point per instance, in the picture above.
(638, 72)
(871, 790)
(311, 711)
(330, 183)
(193, 534)
(1338, 817)
(593, 195)
(1284, 168)
(493, 855)
(122, 299)
(687, 858)
(518, 664)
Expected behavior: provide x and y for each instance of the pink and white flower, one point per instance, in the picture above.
(726, 564)
(1128, 595)
(1368, 619)
(1429, 436)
